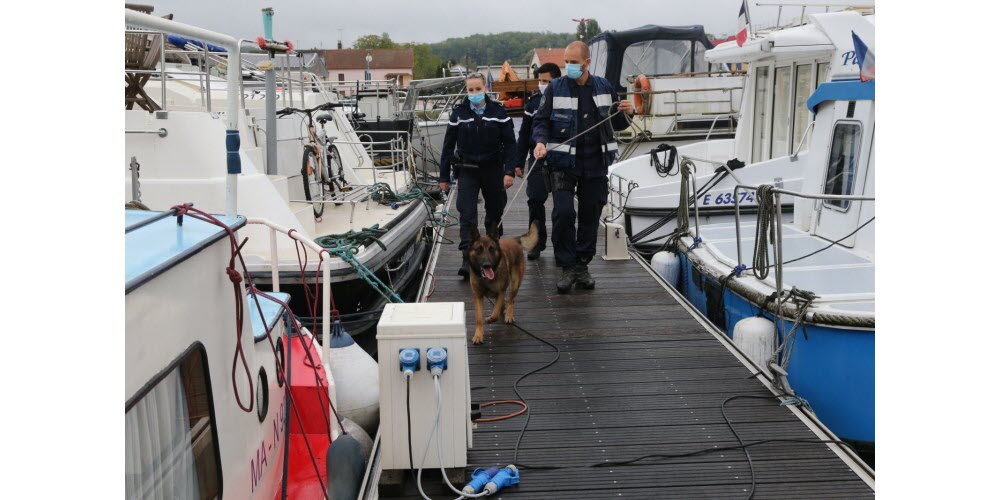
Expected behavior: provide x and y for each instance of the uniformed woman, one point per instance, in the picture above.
(479, 148)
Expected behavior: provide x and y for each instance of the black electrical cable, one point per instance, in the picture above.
(743, 445)
(527, 418)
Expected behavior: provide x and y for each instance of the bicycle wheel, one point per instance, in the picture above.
(312, 180)
(334, 169)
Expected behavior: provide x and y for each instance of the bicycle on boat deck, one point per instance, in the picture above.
(318, 157)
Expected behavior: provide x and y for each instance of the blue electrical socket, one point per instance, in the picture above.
(409, 360)
(437, 357)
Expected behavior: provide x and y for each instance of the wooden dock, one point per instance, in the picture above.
(639, 373)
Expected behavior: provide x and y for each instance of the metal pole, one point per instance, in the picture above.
(163, 71)
(208, 77)
(694, 191)
(739, 247)
(134, 167)
(287, 95)
(777, 248)
(270, 104)
(302, 81)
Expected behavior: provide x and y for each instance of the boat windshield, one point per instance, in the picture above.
(662, 57)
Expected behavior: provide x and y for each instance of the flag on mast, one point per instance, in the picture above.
(744, 21)
(864, 57)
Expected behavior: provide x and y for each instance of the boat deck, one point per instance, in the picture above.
(639, 373)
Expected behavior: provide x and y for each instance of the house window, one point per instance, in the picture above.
(781, 121)
(340, 77)
(171, 449)
(759, 112)
(800, 118)
(843, 164)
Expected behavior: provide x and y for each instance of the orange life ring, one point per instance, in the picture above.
(640, 95)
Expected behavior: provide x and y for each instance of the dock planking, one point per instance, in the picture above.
(637, 374)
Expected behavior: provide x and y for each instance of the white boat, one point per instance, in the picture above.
(811, 278)
(772, 137)
(226, 393)
(678, 92)
(176, 151)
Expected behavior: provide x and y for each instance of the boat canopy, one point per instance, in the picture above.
(432, 86)
(649, 50)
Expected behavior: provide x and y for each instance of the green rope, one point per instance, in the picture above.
(347, 245)
(382, 193)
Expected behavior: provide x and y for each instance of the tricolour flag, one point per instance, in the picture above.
(865, 58)
(744, 21)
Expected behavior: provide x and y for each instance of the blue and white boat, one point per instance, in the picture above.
(810, 277)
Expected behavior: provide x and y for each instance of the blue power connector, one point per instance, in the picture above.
(479, 479)
(508, 476)
(437, 360)
(409, 361)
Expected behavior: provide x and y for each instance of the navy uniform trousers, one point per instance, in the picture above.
(576, 242)
(488, 179)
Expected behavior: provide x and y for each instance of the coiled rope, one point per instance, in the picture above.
(765, 231)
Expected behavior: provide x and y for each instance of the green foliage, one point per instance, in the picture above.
(375, 42)
(587, 29)
(425, 63)
(495, 48)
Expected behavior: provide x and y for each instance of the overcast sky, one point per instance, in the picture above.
(318, 23)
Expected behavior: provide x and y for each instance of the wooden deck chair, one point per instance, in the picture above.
(142, 53)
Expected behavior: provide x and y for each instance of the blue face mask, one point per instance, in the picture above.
(574, 71)
(477, 98)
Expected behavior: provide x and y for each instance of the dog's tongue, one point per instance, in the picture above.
(488, 273)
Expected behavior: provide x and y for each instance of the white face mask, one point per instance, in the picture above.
(541, 87)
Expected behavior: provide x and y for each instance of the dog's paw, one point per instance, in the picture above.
(492, 318)
(478, 337)
(508, 316)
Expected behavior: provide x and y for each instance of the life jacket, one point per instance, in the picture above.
(564, 121)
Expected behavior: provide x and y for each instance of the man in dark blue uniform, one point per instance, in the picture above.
(484, 161)
(537, 194)
(573, 104)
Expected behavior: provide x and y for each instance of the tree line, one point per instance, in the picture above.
(479, 49)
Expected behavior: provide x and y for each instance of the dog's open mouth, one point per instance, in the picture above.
(487, 272)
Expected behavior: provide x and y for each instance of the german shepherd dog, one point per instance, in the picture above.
(496, 268)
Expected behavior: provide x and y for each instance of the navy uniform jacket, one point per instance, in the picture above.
(589, 154)
(524, 143)
(479, 139)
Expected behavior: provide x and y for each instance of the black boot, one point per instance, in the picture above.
(464, 270)
(536, 252)
(566, 281)
(583, 278)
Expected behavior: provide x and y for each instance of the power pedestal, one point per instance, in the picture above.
(421, 339)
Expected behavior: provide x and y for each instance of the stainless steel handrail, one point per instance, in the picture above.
(162, 132)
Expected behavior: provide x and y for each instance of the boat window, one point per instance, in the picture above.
(781, 121)
(656, 57)
(843, 164)
(599, 58)
(822, 72)
(800, 118)
(759, 112)
(700, 64)
(170, 445)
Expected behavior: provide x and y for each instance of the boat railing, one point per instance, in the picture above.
(310, 245)
(677, 99)
(825, 4)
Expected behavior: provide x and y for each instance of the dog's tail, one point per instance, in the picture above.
(529, 240)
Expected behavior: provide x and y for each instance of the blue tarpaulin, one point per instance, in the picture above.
(181, 42)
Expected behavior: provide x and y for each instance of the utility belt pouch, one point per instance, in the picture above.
(563, 181)
(546, 176)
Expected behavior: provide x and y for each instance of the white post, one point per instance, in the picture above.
(275, 287)
(326, 301)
